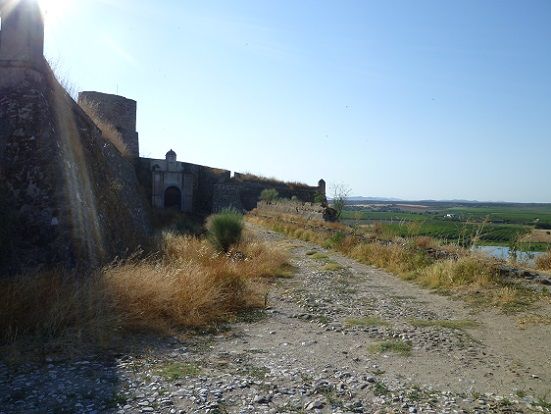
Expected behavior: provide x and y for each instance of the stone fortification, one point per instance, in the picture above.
(204, 190)
(22, 34)
(166, 181)
(66, 195)
(117, 111)
(243, 192)
(308, 211)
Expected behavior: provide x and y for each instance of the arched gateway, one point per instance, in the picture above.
(173, 198)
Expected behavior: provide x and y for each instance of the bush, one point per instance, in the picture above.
(269, 194)
(225, 229)
(319, 198)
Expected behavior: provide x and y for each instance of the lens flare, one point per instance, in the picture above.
(55, 9)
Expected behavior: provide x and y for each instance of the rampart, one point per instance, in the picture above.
(66, 195)
(243, 191)
(305, 210)
(202, 180)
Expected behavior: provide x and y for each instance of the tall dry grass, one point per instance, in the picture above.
(475, 278)
(543, 262)
(189, 285)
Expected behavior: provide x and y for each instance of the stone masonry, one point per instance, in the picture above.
(67, 197)
(117, 111)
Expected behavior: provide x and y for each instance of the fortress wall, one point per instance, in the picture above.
(208, 188)
(244, 195)
(66, 195)
(308, 211)
(118, 111)
(205, 182)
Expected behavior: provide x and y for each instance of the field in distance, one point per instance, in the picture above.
(524, 226)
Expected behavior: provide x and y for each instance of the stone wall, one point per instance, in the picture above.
(308, 211)
(117, 111)
(204, 182)
(71, 197)
(22, 34)
(245, 193)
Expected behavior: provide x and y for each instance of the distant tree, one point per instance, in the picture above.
(269, 195)
(341, 192)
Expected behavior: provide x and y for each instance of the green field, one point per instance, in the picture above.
(496, 225)
(530, 215)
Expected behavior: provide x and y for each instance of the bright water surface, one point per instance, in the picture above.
(503, 252)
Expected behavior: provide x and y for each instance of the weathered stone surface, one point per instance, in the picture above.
(308, 211)
(71, 196)
(117, 111)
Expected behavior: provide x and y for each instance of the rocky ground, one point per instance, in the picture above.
(338, 337)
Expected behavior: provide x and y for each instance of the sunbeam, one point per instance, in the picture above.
(54, 10)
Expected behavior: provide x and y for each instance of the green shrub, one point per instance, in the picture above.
(225, 229)
(269, 195)
(335, 240)
(319, 198)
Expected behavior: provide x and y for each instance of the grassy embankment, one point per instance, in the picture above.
(190, 284)
(474, 278)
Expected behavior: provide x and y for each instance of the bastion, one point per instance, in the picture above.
(68, 196)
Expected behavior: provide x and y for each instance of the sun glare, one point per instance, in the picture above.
(55, 9)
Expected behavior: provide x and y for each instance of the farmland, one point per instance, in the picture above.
(525, 226)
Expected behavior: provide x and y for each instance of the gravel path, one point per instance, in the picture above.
(338, 337)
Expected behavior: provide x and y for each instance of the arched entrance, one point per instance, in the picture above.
(173, 198)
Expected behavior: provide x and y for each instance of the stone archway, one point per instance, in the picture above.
(173, 198)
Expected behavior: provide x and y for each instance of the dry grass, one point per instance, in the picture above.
(472, 272)
(108, 131)
(247, 176)
(191, 285)
(533, 319)
(474, 278)
(401, 259)
(543, 262)
(426, 242)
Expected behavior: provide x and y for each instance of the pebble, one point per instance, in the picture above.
(281, 373)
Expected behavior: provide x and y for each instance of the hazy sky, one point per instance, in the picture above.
(412, 99)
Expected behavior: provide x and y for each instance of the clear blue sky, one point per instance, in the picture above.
(413, 99)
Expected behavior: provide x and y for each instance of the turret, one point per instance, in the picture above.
(170, 156)
(22, 34)
(322, 187)
(116, 110)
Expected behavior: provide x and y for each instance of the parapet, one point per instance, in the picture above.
(117, 111)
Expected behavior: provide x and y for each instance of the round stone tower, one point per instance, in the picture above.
(117, 111)
(22, 34)
(322, 187)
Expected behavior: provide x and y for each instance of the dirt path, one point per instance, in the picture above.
(338, 337)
